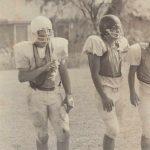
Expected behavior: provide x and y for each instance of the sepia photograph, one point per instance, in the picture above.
(74, 75)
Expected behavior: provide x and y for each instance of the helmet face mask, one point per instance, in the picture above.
(44, 35)
(115, 32)
(110, 27)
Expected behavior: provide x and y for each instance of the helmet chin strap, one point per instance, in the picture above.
(43, 39)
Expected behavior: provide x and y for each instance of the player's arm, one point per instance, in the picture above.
(29, 75)
(131, 80)
(94, 64)
(134, 58)
(23, 64)
(64, 75)
(65, 78)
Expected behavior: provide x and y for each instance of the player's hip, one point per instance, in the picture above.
(40, 97)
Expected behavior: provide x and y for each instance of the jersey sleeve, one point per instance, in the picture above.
(60, 48)
(95, 45)
(134, 55)
(64, 52)
(123, 45)
(21, 60)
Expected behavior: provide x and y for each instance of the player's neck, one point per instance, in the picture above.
(110, 41)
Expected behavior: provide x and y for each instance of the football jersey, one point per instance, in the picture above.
(110, 58)
(25, 56)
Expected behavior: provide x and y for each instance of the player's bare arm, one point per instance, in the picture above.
(29, 75)
(67, 85)
(95, 68)
(131, 79)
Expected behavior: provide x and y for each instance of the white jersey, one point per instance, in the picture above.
(95, 45)
(24, 56)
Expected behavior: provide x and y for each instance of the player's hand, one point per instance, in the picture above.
(108, 104)
(134, 99)
(50, 65)
(47, 66)
(68, 103)
(54, 64)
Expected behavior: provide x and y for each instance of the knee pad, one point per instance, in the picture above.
(112, 129)
(63, 135)
(43, 138)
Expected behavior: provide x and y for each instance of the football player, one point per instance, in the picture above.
(105, 54)
(42, 63)
(139, 58)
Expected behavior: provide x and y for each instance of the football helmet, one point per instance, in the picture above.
(41, 29)
(110, 26)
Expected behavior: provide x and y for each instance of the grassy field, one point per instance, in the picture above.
(87, 129)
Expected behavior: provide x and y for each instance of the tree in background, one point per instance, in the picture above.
(93, 10)
(116, 7)
(44, 3)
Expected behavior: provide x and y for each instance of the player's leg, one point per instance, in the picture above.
(145, 118)
(144, 105)
(108, 143)
(60, 122)
(120, 108)
(112, 130)
(41, 131)
(145, 143)
(110, 121)
(39, 118)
